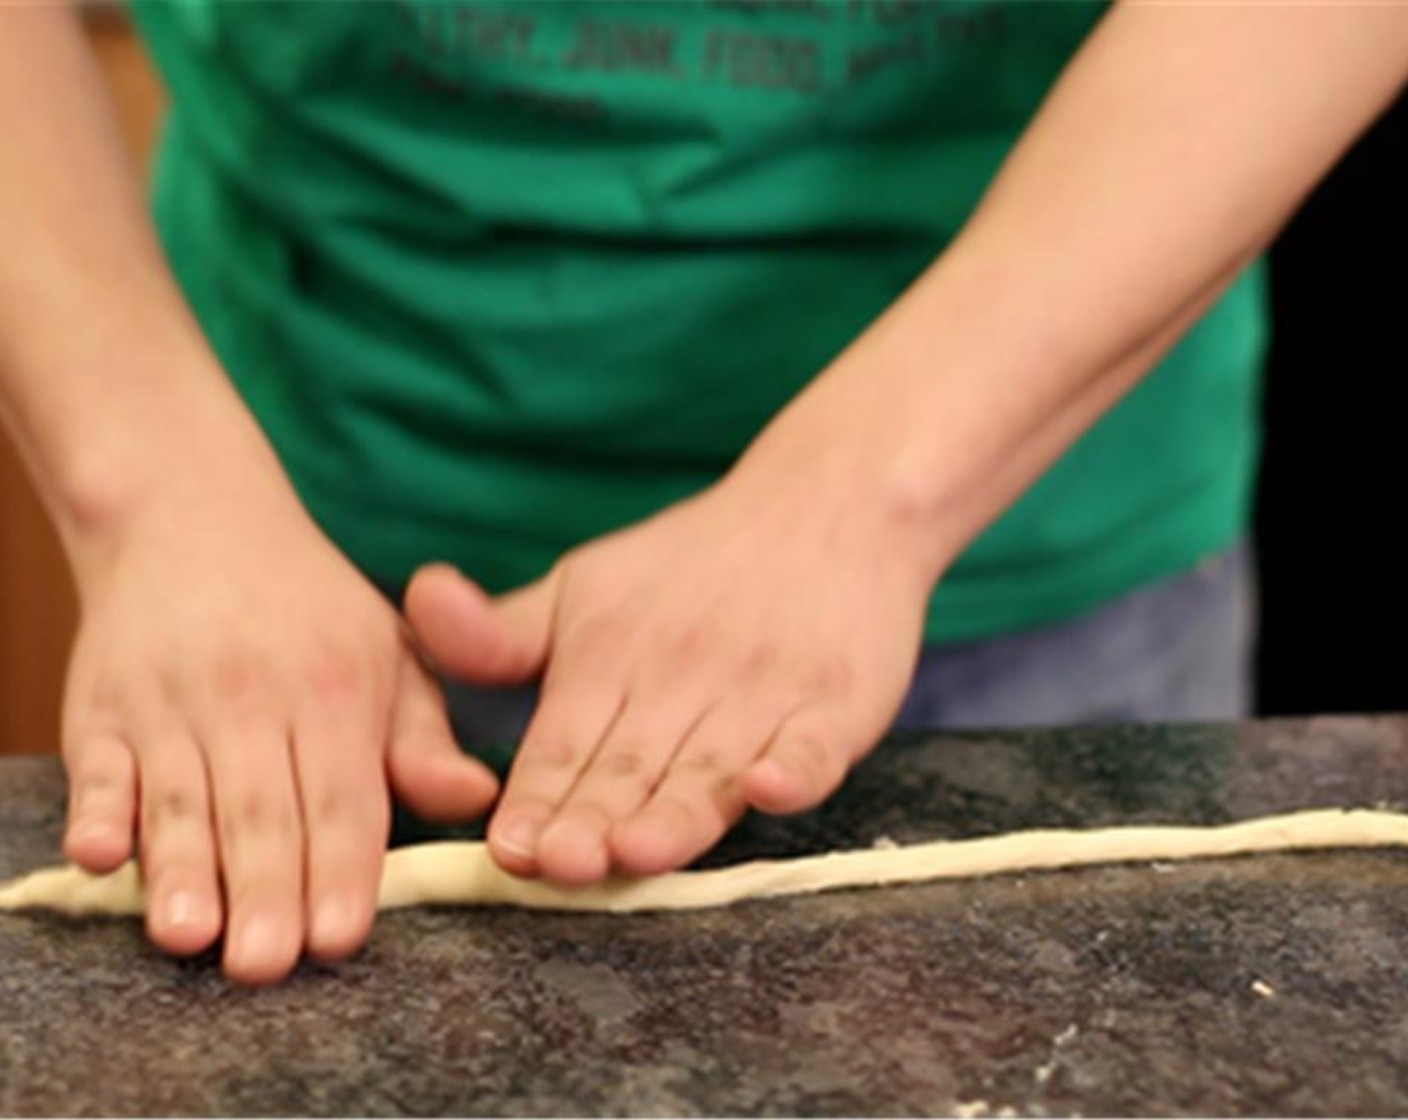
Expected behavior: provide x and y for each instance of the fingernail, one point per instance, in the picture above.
(331, 919)
(184, 908)
(771, 771)
(520, 837)
(258, 939)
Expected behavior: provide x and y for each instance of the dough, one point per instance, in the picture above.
(461, 873)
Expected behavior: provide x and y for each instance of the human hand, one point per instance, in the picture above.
(742, 649)
(241, 696)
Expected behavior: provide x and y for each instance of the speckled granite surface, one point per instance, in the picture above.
(1267, 985)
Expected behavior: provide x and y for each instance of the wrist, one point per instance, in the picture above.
(847, 492)
(162, 454)
(906, 428)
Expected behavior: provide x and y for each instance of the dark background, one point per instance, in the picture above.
(1333, 598)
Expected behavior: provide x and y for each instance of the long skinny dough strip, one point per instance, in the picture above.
(461, 873)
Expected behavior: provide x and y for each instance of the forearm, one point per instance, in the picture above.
(105, 379)
(1026, 458)
(1169, 154)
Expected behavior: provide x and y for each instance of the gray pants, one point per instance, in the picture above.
(1176, 650)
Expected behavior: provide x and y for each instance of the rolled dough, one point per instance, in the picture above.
(462, 873)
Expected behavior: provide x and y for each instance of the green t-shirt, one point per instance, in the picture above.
(499, 278)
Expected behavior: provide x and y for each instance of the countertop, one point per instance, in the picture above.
(1270, 984)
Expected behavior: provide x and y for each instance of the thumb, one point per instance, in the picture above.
(477, 638)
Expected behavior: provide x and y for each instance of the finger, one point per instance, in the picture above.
(102, 797)
(429, 772)
(474, 637)
(616, 781)
(804, 763)
(581, 696)
(337, 754)
(700, 796)
(260, 838)
(184, 910)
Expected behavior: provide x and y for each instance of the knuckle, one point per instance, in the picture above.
(598, 637)
(105, 698)
(237, 681)
(726, 795)
(550, 754)
(170, 805)
(75, 756)
(332, 804)
(170, 685)
(761, 660)
(831, 676)
(626, 766)
(524, 804)
(102, 711)
(820, 766)
(623, 762)
(340, 802)
(251, 811)
(97, 778)
(677, 810)
(691, 644)
(702, 760)
(724, 800)
(336, 678)
(591, 813)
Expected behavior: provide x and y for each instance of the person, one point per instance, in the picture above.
(746, 373)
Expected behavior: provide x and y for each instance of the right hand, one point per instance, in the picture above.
(240, 697)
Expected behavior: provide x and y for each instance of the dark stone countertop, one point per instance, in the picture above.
(1274, 984)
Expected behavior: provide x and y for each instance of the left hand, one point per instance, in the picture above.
(741, 649)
